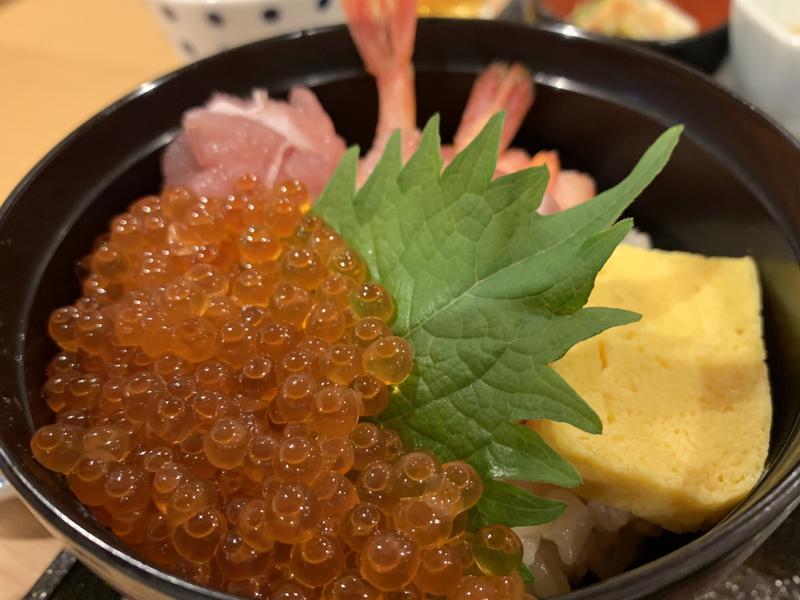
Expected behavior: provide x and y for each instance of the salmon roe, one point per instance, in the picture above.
(208, 399)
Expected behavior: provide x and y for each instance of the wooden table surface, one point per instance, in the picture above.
(60, 62)
(63, 60)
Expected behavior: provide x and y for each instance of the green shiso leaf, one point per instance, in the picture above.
(489, 293)
(525, 573)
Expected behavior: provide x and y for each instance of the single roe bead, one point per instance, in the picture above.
(415, 473)
(389, 359)
(326, 321)
(368, 330)
(172, 419)
(226, 443)
(290, 304)
(302, 267)
(317, 561)
(88, 479)
(258, 460)
(374, 484)
(372, 300)
(252, 526)
(297, 193)
(374, 393)
(350, 586)
(297, 458)
(336, 410)
(368, 445)
(342, 363)
(293, 591)
(275, 340)
(258, 245)
(295, 402)
(106, 442)
(389, 560)
(258, 380)
(325, 241)
(193, 339)
(337, 453)
(62, 327)
(475, 588)
(251, 288)
(188, 499)
(236, 560)
(208, 278)
(466, 480)
(425, 521)
(336, 494)
(126, 490)
(345, 261)
(360, 522)
(58, 447)
(292, 511)
(410, 592)
(497, 550)
(235, 343)
(438, 570)
(336, 289)
(510, 587)
(196, 538)
(109, 262)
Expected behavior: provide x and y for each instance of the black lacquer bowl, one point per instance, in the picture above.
(732, 188)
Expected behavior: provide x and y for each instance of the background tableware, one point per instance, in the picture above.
(765, 54)
(200, 28)
(704, 51)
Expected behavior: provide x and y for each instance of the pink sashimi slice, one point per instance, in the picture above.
(178, 164)
(233, 146)
(272, 139)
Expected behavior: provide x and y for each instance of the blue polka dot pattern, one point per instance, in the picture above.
(187, 47)
(215, 19)
(323, 4)
(272, 15)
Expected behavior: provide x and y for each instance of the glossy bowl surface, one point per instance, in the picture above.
(704, 51)
(730, 189)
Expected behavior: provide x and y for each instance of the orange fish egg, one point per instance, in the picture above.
(209, 394)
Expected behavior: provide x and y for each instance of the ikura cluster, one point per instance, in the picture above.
(209, 395)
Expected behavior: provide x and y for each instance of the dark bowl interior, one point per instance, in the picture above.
(731, 189)
(704, 51)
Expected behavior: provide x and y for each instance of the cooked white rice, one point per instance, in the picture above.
(588, 538)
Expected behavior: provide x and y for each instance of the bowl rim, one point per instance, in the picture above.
(646, 579)
(549, 18)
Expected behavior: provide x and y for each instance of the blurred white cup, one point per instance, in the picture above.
(199, 28)
(765, 49)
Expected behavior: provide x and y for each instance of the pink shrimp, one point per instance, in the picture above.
(500, 87)
(296, 139)
(384, 33)
(551, 160)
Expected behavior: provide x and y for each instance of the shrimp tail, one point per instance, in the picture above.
(384, 33)
(500, 87)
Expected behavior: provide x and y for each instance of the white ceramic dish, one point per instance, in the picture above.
(765, 50)
(199, 28)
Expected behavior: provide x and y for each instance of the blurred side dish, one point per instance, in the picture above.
(634, 19)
